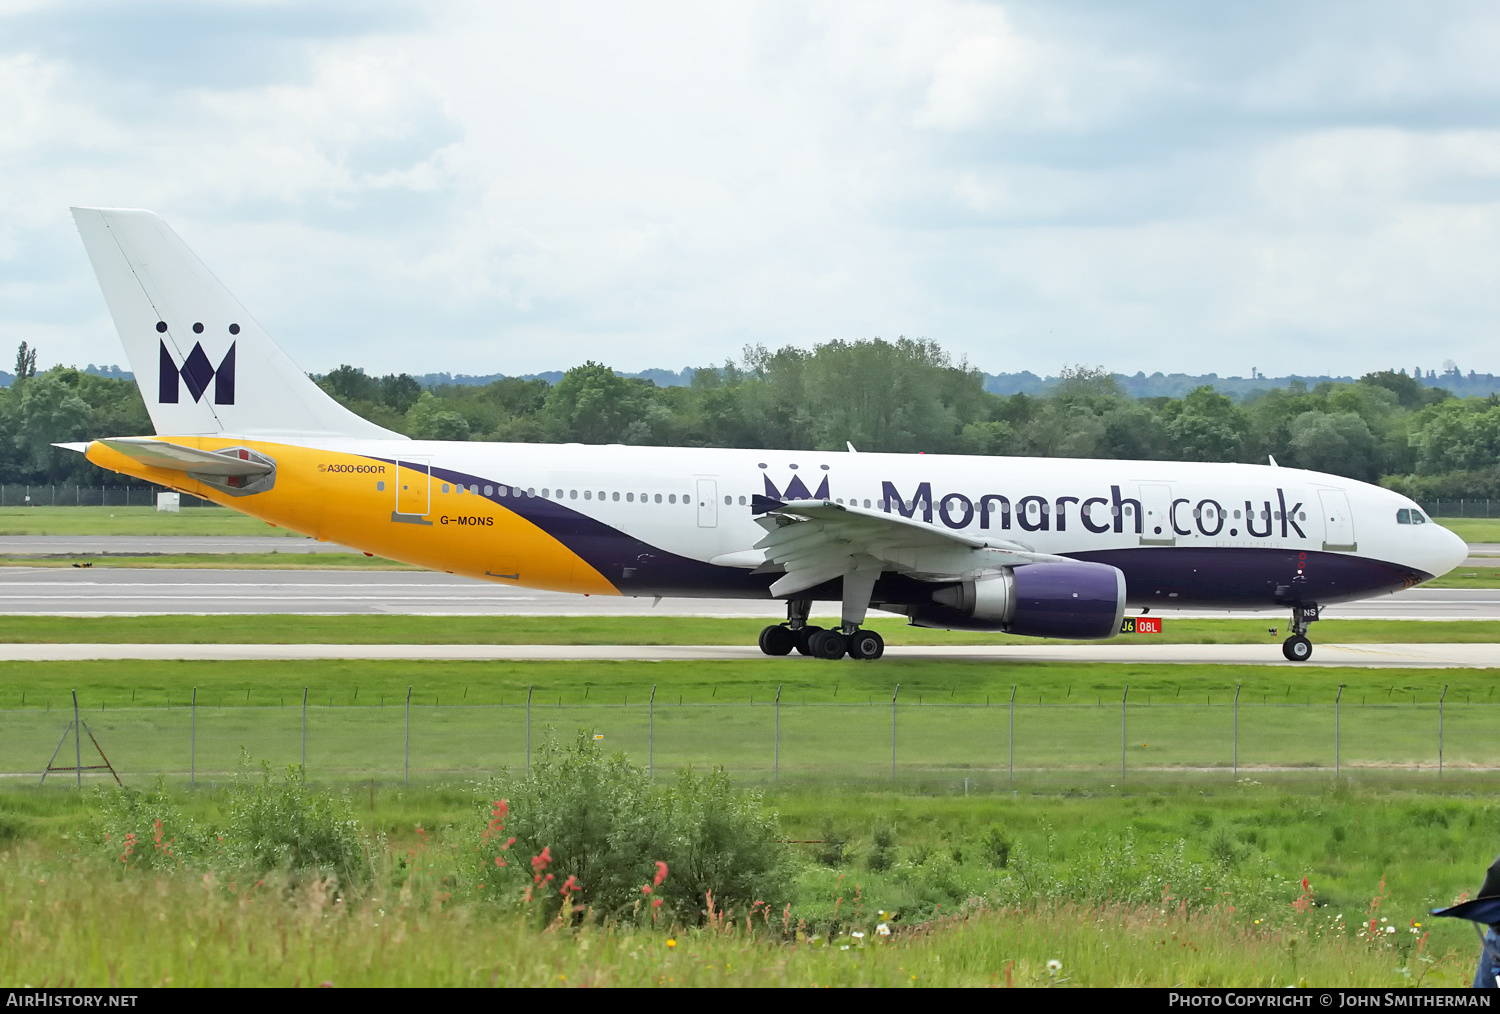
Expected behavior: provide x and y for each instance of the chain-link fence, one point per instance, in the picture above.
(1461, 508)
(16, 494)
(984, 747)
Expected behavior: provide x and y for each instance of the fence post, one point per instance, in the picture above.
(304, 732)
(1237, 731)
(193, 741)
(776, 757)
(651, 733)
(77, 741)
(1440, 729)
(1012, 735)
(1123, 698)
(528, 728)
(406, 766)
(893, 730)
(1337, 698)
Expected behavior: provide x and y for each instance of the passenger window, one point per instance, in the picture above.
(1403, 516)
(380, 487)
(867, 503)
(615, 497)
(459, 489)
(474, 489)
(546, 493)
(728, 501)
(489, 491)
(531, 492)
(742, 501)
(572, 494)
(658, 498)
(629, 497)
(445, 487)
(588, 494)
(671, 498)
(601, 494)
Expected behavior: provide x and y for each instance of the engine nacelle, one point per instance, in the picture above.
(1075, 600)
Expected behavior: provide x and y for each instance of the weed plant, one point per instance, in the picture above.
(602, 826)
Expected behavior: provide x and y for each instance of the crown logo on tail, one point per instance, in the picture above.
(197, 371)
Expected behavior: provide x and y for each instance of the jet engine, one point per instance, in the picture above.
(1075, 600)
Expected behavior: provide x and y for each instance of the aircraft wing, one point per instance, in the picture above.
(159, 454)
(818, 540)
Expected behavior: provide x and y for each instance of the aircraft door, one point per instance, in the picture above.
(708, 503)
(1338, 521)
(413, 487)
(1156, 515)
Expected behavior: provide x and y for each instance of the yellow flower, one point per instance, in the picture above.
(671, 941)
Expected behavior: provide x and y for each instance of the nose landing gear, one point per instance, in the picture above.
(1298, 648)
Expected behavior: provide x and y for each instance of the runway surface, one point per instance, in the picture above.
(1379, 656)
(98, 591)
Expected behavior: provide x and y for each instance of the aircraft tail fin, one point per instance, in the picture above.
(204, 366)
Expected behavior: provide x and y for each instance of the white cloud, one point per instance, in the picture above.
(515, 187)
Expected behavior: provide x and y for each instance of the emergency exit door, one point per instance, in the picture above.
(1156, 515)
(708, 503)
(1338, 521)
(413, 487)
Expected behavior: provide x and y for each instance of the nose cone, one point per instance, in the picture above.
(1447, 552)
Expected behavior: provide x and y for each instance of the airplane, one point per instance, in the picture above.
(1030, 546)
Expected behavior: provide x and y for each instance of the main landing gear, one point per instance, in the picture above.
(847, 640)
(1298, 648)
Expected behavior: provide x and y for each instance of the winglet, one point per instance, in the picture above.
(1273, 460)
(82, 446)
(763, 504)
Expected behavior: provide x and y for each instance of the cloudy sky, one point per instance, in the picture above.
(512, 187)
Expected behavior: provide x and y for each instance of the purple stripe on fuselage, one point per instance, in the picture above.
(1155, 576)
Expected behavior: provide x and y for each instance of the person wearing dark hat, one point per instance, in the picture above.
(1483, 910)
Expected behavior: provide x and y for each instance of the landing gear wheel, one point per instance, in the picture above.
(1296, 648)
(804, 637)
(829, 644)
(866, 645)
(777, 640)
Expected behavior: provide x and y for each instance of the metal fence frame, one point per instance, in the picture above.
(1044, 727)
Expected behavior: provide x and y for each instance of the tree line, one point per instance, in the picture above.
(906, 395)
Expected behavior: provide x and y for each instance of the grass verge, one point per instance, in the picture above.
(1224, 870)
(208, 561)
(201, 521)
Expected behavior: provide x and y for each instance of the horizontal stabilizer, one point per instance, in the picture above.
(159, 454)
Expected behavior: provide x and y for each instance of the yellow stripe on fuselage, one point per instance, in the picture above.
(344, 504)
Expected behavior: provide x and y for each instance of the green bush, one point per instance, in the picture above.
(136, 829)
(598, 824)
(282, 825)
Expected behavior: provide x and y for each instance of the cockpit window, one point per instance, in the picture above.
(1406, 516)
(1417, 518)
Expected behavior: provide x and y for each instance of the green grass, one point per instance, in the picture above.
(1467, 577)
(1473, 529)
(117, 683)
(422, 922)
(395, 629)
(131, 521)
(209, 561)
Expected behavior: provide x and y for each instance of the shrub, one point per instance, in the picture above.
(722, 841)
(137, 829)
(283, 825)
(882, 848)
(601, 824)
(995, 846)
(830, 851)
